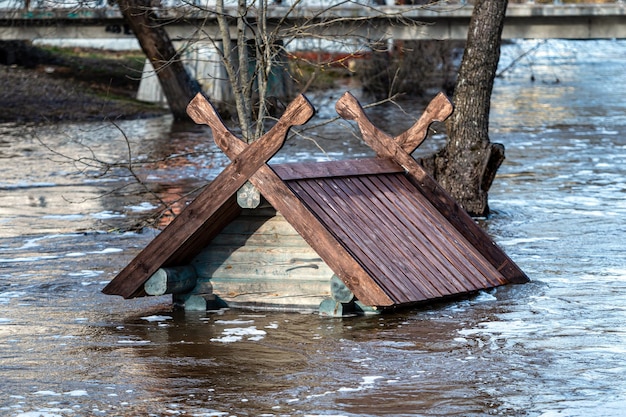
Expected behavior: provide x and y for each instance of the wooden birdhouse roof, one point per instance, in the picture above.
(383, 225)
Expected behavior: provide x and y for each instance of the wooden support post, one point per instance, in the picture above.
(341, 302)
(339, 291)
(177, 280)
(332, 308)
(182, 282)
(200, 298)
(248, 196)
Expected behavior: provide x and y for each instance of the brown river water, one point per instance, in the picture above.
(554, 347)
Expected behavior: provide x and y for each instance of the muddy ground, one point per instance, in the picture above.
(51, 85)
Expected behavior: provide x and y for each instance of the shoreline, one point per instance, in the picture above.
(33, 96)
(60, 85)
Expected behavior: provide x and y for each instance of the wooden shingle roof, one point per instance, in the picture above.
(383, 225)
(396, 235)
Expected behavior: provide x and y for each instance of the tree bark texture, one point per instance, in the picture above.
(467, 165)
(178, 86)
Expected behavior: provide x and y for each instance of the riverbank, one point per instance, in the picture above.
(52, 85)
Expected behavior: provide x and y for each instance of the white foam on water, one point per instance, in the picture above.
(47, 393)
(523, 241)
(395, 344)
(236, 321)
(483, 297)
(593, 213)
(145, 206)
(6, 296)
(368, 382)
(156, 318)
(603, 409)
(314, 396)
(46, 412)
(106, 250)
(227, 339)
(23, 185)
(239, 333)
(133, 342)
(324, 415)
(103, 215)
(616, 272)
(500, 328)
(34, 242)
(29, 259)
(66, 217)
(77, 393)
(87, 273)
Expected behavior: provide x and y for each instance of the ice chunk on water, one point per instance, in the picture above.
(77, 393)
(156, 318)
(238, 333)
(145, 206)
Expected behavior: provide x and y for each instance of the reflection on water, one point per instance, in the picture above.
(553, 347)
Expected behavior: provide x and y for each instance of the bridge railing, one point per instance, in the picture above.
(65, 4)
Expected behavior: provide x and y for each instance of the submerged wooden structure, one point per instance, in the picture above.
(340, 236)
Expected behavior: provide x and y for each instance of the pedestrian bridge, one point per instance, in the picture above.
(315, 18)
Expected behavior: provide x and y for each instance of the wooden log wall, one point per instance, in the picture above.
(259, 259)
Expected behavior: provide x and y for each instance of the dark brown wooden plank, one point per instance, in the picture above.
(356, 243)
(341, 168)
(228, 212)
(418, 235)
(393, 251)
(411, 238)
(472, 271)
(418, 221)
(327, 211)
(356, 219)
(385, 147)
(469, 256)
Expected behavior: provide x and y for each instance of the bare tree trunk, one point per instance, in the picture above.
(467, 165)
(179, 88)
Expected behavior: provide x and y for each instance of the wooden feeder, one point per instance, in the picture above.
(338, 237)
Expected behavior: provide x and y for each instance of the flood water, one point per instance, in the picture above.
(553, 347)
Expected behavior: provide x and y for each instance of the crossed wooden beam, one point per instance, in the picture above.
(399, 149)
(192, 229)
